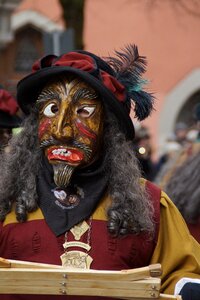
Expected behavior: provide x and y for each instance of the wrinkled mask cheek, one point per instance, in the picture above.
(91, 135)
(43, 128)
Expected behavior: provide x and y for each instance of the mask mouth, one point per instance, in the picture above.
(66, 154)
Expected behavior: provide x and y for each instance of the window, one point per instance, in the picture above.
(27, 49)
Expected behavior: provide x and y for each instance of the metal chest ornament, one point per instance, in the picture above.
(77, 258)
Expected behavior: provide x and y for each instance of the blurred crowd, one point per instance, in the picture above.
(176, 171)
(180, 145)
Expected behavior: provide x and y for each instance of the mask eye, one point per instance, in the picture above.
(50, 110)
(85, 111)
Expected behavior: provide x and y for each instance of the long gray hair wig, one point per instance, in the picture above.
(130, 211)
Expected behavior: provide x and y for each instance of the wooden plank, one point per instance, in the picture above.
(153, 284)
(40, 290)
(31, 290)
(150, 284)
(57, 274)
(142, 293)
(133, 274)
(74, 274)
(31, 274)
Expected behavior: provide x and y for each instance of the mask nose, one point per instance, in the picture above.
(62, 128)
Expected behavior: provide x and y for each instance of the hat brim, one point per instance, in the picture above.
(9, 121)
(29, 88)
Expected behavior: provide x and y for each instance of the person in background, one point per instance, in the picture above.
(8, 116)
(143, 150)
(184, 184)
(167, 161)
(180, 132)
(72, 175)
(178, 150)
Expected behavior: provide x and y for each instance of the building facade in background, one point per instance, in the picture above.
(37, 29)
(166, 32)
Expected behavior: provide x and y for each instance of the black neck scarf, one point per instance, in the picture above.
(89, 184)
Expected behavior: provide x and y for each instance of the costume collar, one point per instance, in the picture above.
(64, 208)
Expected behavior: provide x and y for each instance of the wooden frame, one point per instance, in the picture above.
(20, 277)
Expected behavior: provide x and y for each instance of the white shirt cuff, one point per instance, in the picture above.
(179, 285)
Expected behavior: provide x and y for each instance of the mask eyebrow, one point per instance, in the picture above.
(84, 93)
(46, 95)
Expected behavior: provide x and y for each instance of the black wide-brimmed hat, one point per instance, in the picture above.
(117, 80)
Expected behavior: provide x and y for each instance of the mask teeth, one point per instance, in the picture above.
(51, 142)
(63, 152)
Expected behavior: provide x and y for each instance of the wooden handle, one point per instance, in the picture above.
(4, 263)
(139, 273)
(11, 263)
(155, 270)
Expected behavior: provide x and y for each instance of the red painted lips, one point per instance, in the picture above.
(65, 154)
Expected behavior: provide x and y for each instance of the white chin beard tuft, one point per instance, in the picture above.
(62, 174)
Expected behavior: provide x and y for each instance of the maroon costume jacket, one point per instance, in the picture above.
(34, 241)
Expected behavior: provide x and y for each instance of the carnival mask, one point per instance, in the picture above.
(70, 126)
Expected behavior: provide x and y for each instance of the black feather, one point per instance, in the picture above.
(129, 67)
